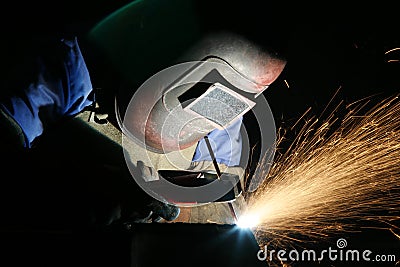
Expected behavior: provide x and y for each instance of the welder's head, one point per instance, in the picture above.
(216, 82)
(185, 81)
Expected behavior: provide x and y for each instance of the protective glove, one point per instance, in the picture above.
(150, 209)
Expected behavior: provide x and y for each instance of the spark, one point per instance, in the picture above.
(397, 235)
(391, 50)
(333, 175)
(302, 116)
(330, 101)
(287, 84)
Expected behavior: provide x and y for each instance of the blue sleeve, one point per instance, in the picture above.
(226, 145)
(60, 87)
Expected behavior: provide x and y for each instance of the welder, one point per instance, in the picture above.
(63, 78)
(170, 56)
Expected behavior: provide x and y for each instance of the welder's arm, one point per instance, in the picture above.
(55, 84)
(226, 145)
(227, 148)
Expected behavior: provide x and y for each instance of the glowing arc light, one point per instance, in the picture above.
(248, 221)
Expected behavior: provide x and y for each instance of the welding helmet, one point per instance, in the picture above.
(184, 79)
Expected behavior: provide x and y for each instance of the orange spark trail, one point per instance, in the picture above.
(331, 177)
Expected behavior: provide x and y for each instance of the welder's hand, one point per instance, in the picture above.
(151, 209)
(115, 199)
(161, 210)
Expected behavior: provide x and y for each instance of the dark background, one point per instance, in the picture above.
(327, 47)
